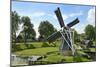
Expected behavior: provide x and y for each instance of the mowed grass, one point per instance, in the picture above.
(50, 52)
(92, 49)
(37, 51)
(41, 51)
(39, 44)
(59, 58)
(36, 44)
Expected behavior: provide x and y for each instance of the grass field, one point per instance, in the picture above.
(52, 53)
(37, 51)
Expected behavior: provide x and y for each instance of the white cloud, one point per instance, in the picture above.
(76, 14)
(89, 20)
(20, 29)
(36, 25)
(80, 28)
(91, 16)
(65, 16)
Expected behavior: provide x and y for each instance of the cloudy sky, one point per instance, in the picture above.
(45, 11)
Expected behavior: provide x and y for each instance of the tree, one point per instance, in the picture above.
(76, 36)
(46, 28)
(28, 30)
(15, 21)
(90, 32)
(94, 38)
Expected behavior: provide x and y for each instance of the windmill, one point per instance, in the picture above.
(66, 34)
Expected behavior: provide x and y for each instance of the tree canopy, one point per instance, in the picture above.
(90, 32)
(46, 28)
(28, 30)
(14, 24)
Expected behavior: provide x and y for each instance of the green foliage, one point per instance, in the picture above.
(82, 36)
(40, 38)
(38, 51)
(76, 36)
(90, 32)
(15, 21)
(53, 58)
(54, 44)
(18, 47)
(30, 46)
(77, 59)
(28, 31)
(46, 28)
(63, 60)
(51, 54)
(45, 44)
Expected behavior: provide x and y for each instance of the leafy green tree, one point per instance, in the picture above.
(46, 28)
(82, 36)
(90, 32)
(28, 30)
(76, 36)
(15, 21)
(94, 38)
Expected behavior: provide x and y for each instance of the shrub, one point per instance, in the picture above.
(54, 44)
(63, 60)
(77, 59)
(45, 44)
(18, 47)
(30, 46)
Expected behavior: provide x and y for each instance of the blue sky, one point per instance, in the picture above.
(45, 11)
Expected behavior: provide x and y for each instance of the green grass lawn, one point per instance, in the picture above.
(37, 51)
(39, 44)
(58, 58)
(36, 44)
(92, 49)
(50, 52)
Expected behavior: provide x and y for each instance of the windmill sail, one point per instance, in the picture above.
(59, 16)
(64, 33)
(73, 23)
(53, 37)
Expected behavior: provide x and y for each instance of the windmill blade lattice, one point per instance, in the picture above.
(59, 16)
(54, 36)
(73, 22)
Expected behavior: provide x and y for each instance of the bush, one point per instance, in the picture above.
(45, 44)
(63, 60)
(77, 59)
(30, 46)
(54, 44)
(18, 47)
